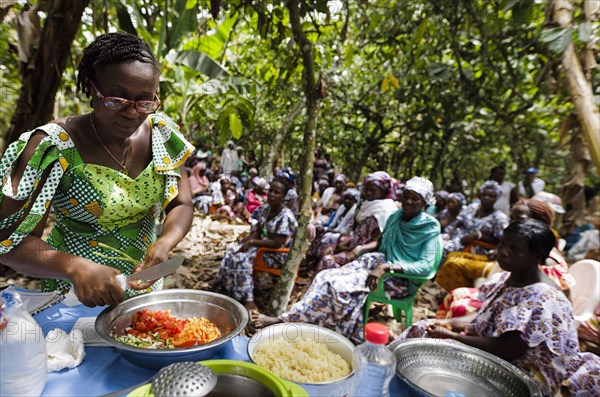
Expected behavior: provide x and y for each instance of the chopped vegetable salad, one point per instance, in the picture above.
(158, 329)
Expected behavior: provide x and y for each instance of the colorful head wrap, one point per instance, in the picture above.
(258, 181)
(287, 176)
(380, 178)
(552, 200)
(341, 178)
(354, 193)
(491, 185)
(458, 197)
(423, 187)
(323, 182)
(442, 194)
(539, 210)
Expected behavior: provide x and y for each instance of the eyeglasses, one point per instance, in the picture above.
(117, 104)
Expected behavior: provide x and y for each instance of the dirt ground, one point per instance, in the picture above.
(204, 247)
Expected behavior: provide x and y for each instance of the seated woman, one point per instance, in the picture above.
(342, 223)
(336, 297)
(288, 177)
(257, 196)
(330, 200)
(440, 202)
(199, 185)
(203, 200)
(481, 222)
(319, 188)
(525, 320)
(274, 227)
(465, 300)
(447, 217)
(224, 201)
(369, 223)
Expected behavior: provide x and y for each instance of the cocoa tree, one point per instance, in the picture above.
(46, 57)
(313, 93)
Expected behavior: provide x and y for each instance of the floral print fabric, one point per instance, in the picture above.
(364, 232)
(467, 222)
(98, 209)
(235, 273)
(544, 318)
(336, 297)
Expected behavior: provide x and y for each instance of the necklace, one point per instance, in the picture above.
(123, 169)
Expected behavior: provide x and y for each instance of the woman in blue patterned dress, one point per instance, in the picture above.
(273, 226)
(481, 222)
(524, 319)
(456, 202)
(336, 297)
(108, 175)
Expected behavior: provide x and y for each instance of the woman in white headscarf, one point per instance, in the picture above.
(336, 297)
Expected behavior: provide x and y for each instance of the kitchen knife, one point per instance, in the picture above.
(151, 273)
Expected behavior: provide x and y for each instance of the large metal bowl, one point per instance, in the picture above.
(435, 367)
(226, 313)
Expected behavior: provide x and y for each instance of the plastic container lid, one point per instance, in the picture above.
(377, 333)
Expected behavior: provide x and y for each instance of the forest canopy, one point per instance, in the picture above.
(410, 87)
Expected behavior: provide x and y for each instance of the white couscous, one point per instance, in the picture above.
(303, 360)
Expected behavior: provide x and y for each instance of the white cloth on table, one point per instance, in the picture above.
(64, 351)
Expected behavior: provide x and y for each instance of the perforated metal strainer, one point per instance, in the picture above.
(184, 379)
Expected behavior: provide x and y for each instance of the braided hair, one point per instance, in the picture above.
(108, 49)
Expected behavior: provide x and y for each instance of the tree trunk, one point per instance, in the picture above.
(579, 88)
(588, 118)
(573, 194)
(280, 137)
(283, 289)
(42, 73)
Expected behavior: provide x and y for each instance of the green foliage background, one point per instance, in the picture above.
(413, 87)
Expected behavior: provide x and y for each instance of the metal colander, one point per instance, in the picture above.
(434, 367)
(184, 379)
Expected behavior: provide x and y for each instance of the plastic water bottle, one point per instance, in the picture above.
(374, 363)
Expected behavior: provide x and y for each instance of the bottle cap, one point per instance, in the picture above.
(377, 333)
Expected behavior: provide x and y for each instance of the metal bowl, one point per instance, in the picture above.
(226, 313)
(435, 367)
(336, 343)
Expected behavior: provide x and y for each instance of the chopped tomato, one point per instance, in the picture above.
(186, 343)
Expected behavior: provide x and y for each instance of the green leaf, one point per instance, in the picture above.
(125, 20)
(183, 24)
(508, 4)
(200, 62)
(439, 71)
(235, 125)
(557, 38)
(213, 43)
(420, 32)
(550, 34)
(585, 31)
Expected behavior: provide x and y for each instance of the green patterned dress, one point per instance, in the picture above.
(100, 212)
